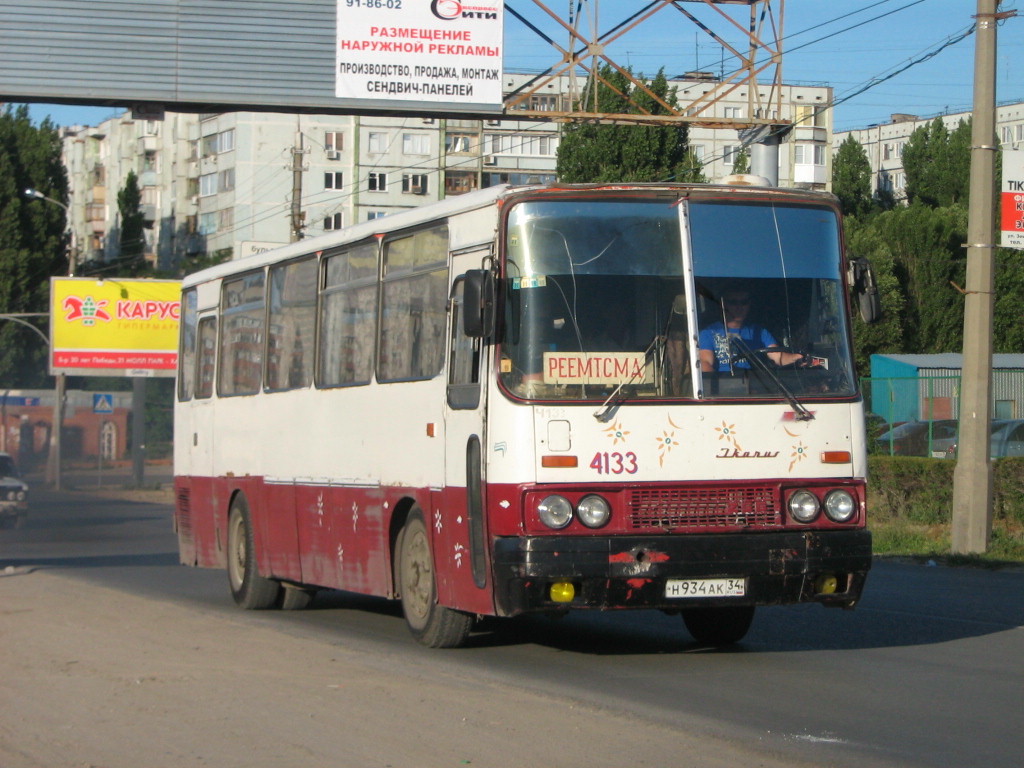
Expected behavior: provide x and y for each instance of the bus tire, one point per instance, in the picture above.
(433, 625)
(250, 590)
(718, 626)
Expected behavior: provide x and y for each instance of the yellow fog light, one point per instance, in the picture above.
(826, 584)
(562, 592)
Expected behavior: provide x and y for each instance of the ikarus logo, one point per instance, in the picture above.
(449, 10)
(86, 309)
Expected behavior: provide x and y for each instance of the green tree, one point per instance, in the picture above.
(937, 163)
(131, 261)
(742, 163)
(34, 239)
(591, 152)
(851, 178)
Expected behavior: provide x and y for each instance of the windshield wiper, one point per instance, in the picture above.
(604, 413)
(757, 362)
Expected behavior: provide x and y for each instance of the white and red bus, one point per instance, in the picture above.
(497, 404)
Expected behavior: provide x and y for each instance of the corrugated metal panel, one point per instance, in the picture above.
(202, 55)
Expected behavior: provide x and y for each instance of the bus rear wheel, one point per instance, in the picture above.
(718, 626)
(250, 590)
(433, 625)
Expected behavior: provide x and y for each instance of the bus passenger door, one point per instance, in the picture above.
(461, 531)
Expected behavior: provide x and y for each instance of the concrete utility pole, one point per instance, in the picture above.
(972, 478)
(297, 169)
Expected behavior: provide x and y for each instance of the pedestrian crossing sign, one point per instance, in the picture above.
(102, 403)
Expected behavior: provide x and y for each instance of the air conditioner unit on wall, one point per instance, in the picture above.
(333, 154)
(490, 160)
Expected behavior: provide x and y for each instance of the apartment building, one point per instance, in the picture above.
(884, 143)
(241, 182)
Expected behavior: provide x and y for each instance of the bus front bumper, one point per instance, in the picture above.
(606, 572)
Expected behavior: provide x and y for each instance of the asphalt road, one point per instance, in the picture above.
(927, 671)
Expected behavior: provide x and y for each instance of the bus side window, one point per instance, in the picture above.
(206, 357)
(243, 316)
(187, 346)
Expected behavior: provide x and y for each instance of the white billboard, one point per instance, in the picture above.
(420, 50)
(1012, 199)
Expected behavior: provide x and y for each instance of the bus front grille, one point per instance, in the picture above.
(704, 508)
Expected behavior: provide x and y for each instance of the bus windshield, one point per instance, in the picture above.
(597, 300)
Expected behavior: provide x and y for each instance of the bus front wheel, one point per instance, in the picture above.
(431, 624)
(250, 590)
(718, 625)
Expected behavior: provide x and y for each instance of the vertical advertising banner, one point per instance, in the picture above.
(114, 327)
(420, 50)
(1012, 199)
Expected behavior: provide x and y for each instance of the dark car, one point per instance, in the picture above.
(918, 438)
(1007, 440)
(13, 493)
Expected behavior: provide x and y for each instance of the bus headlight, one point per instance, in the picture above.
(840, 506)
(593, 511)
(555, 511)
(803, 506)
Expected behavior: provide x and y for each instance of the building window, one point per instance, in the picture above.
(415, 144)
(225, 219)
(459, 182)
(332, 222)
(334, 141)
(1007, 134)
(455, 143)
(332, 180)
(226, 141)
(414, 183)
(809, 154)
(371, 215)
(729, 154)
(378, 182)
(208, 223)
(377, 143)
(733, 112)
(226, 180)
(208, 184)
(1020, 132)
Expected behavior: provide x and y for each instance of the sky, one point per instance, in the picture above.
(879, 56)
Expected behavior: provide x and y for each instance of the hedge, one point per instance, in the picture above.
(921, 489)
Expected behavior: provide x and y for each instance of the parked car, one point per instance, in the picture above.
(1007, 440)
(918, 438)
(13, 493)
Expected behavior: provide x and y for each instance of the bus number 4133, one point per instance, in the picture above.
(614, 463)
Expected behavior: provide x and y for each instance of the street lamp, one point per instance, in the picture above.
(35, 194)
(53, 465)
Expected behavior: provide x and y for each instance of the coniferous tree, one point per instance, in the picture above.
(133, 237)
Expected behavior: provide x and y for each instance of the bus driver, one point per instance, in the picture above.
(716, 353)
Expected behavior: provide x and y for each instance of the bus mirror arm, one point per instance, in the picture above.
(478, 293)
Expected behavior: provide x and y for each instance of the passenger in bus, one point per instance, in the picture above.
(717, 351)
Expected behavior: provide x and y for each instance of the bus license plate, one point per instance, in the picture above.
(684, 588)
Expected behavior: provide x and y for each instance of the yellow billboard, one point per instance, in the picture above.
(114, 327)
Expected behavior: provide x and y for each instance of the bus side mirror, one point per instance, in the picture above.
(478, 303)
(865, 290)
